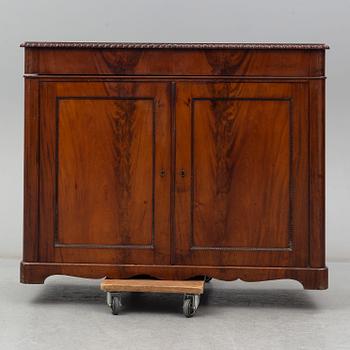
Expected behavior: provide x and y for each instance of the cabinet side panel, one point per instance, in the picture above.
(31, 171)
(317, 172)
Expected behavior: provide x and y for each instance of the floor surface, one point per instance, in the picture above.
(70, 313)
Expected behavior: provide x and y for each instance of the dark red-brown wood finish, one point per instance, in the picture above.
(175, 160)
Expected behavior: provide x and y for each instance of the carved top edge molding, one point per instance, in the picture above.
(125, 45)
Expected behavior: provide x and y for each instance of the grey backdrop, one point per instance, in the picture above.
(175, 21)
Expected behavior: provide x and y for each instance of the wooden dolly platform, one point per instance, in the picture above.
(191, 290)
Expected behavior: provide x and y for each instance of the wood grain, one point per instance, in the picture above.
(31, 172)
(103, 147)
(243, 62)
(317, 174)
(152, 286)
(232, 207)
(246, 185)
(175, 161)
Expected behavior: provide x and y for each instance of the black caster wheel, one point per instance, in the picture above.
(190, 305)
(207, 279)
(116, 305)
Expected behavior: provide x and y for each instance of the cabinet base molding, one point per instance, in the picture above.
(309, 277)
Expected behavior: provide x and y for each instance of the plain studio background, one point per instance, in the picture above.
(175, 21)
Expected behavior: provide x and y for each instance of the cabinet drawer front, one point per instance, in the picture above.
(176, 62)
(242, 174)
(101, 148)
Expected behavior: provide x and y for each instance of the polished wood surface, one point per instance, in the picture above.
(153, 286)
(174, 162)
(246, 186)
(105, 187)
(103, 147)
(151, 62)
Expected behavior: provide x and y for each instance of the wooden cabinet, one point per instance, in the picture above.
(174, 161)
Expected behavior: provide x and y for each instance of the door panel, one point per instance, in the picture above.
(109, 142)
(242, 178)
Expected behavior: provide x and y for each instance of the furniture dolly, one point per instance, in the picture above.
(191, 290)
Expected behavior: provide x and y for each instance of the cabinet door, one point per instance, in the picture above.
(104, 172)
(241, 191)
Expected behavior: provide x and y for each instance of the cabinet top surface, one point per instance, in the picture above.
(128, 45)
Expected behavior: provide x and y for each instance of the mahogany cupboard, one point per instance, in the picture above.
(174, 161)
